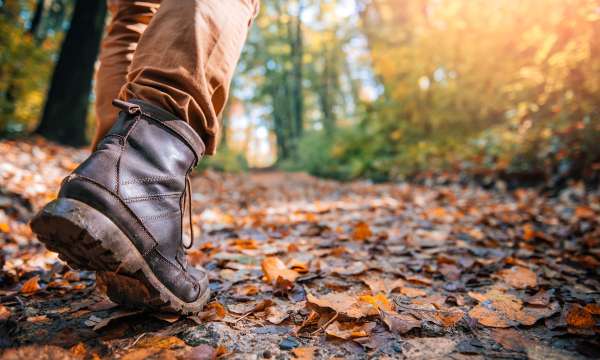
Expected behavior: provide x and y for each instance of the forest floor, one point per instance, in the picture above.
(306, 268)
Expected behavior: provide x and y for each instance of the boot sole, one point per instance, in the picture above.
(88, 240)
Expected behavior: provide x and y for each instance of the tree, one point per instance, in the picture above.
(65, 111)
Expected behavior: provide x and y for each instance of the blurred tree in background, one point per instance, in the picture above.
(379, 89)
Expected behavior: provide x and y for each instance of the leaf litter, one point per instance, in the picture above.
(312, 269)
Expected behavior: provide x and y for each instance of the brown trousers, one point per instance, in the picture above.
(176, 54)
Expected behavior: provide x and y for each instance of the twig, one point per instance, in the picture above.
(326, 324)
(136, 341)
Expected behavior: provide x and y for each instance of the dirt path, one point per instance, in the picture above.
(306, 268)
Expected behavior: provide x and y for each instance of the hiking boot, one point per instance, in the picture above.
(121, 212)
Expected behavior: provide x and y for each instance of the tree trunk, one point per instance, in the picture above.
(65, 111)
(36, 20)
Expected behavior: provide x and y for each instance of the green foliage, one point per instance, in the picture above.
(26, 63)
(225, 160)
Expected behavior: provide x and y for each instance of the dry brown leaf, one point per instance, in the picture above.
(419, 280)
(412, 292)
(529, 315)
(342, 303)
(201, 352)
(213, 311)
(489, 316)
(299, 266)
(141, 354)
(30, 286)
(528, 232)
(274, 268)
(541, 298)
(304, 353)
(449, 318)
(399, 323)
(377, 284)
(196, 257)
(593, 309)
(78, 349)
(354, 269)
(250, 307)
(362, 231)
(349, 330)
(519, 277)
(160, 342)
(244, 244)
(496, 309)
(579, 317)
(379, 301)
(5, 313)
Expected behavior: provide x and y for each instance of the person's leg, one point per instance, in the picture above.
(121, 211)
(129, 20)
(185, 60)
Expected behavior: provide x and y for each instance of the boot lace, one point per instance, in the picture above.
(187, 204)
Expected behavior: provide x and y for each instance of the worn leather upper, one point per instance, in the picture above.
(137, 177)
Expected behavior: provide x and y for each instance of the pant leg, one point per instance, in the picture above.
(129, 19)
(185, 60)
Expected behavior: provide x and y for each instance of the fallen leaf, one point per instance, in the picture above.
(201, 352)
(37, 319)
(342, 303)
(78, 349)
(496, 309)
(98, 323)
(541, 298)
(304, 353)
(274, 268)
(593, 309)
(5, 313)
(362, 231)
(349, 330)
(579, 317)
(519, 277)
(379, 301)
(412, 292)
(529, 315)
(30, 286)
(399, 323)
(250, 307)
(160, 342)
(449, 318)
(377, 284)
(354, 269)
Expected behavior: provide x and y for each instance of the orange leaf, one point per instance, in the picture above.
(304, 353)
(528, 232)
(4, 313)
(362, 231)
(519, 277)
(412, 292)
(379, 301)
(578, 317)
(349, 330)
(31, 285)
(273, 268)
(79, 349)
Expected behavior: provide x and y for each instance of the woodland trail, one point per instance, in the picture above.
(308, 268)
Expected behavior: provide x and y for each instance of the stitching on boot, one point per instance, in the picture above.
(122, 152)
(148, 180)
(116, 200)
(150, 197)
(160, 216)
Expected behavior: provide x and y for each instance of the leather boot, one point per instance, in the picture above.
(121, 212)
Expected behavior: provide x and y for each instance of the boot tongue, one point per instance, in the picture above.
(183, 130)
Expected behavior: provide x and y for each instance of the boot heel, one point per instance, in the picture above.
(82, 236)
